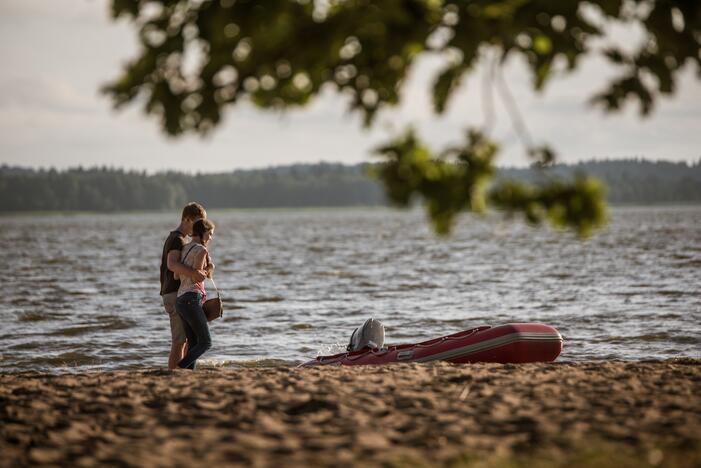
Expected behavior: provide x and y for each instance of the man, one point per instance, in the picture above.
(170, 264)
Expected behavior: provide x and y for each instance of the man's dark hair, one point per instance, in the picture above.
(193, 211)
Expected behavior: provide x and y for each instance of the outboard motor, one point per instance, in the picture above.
(371, 334)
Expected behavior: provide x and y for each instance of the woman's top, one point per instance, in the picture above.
(188, 255)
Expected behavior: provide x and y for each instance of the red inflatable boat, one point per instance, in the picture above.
(511, 343)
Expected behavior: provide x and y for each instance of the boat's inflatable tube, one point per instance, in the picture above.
(511, 343)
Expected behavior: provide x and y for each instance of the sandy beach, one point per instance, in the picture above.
(421, 415)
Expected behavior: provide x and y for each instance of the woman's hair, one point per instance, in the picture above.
(201, 226)
(193, 211)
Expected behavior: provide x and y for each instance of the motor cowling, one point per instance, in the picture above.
(370, 334)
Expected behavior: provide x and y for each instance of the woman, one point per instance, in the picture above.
(191, 294)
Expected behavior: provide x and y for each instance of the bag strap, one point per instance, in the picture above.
(188, 253)
(215, 287)
(208, 262)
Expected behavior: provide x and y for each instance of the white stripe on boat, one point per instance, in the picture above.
(490, 344)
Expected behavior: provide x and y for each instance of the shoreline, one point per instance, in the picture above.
(71, 368)
(420, 414)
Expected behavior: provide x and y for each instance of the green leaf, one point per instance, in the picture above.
(448, 81)
(542, 44)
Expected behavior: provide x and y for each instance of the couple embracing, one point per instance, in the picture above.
(185, 264)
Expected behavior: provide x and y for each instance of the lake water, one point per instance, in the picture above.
(81, 291)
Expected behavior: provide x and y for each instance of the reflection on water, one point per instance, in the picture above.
(81, 291)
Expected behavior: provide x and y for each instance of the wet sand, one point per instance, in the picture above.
(419, 414)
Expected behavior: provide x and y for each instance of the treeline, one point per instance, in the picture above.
(323, 184)
(106, 189)
(630, 181)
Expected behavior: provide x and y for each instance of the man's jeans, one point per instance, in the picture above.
(189, 307)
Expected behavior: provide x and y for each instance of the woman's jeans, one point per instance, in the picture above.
(189, 307)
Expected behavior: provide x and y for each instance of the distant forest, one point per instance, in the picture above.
(301, 185)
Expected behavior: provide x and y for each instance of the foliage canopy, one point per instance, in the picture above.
(282, 53)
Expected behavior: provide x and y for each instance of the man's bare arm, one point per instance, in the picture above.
(176, 266)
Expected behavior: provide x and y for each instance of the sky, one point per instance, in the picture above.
(55, 56)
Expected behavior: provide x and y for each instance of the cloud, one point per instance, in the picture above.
(72, 11)
(31, 93)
